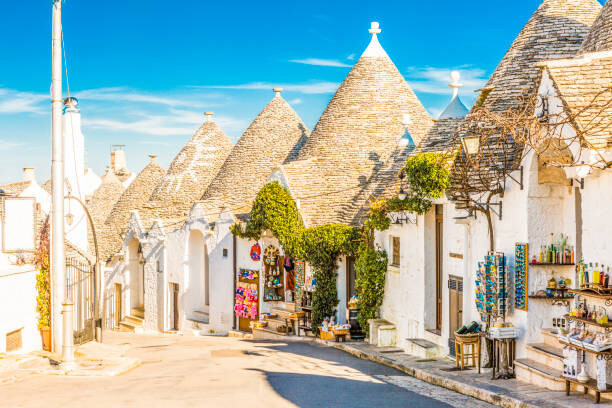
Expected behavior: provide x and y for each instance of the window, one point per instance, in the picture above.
(395, 251)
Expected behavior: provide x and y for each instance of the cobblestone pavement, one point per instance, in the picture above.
(185, 371)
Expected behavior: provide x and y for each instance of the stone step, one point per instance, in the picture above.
(125, 326)
(550, 337)
(138, 312)
(538, 374)
(266, 333)
(545, 354)
(280, 312)
(200, 316)
(423, 348)
(137, 321)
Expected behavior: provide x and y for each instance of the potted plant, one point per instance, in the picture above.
(43, 287)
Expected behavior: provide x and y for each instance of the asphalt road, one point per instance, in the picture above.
(185, 371)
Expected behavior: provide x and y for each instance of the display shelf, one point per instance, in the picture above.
(551, 264)
(607, 354)
(593, 293)
(607, 326)
(555, 301)
(589, 385)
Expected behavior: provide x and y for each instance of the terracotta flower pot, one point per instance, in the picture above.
(45, 334)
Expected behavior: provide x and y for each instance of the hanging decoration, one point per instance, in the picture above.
(491, 292)
(256, 252)
(247, 274)
(273, 283)
(521, 276)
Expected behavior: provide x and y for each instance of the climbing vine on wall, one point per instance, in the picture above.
(371, 267)
(320, 246)
(43, 284)
(427, 176)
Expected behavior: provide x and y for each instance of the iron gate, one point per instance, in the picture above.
(80, 281)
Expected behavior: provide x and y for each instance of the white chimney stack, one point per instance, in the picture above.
(74, 146)
(29, 174)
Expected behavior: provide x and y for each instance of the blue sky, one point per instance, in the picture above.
(145, 71)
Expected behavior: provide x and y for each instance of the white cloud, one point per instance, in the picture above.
(15, 102)
(435, 80)
(296, 101)
(351, 57)
(5, 145)
(320, 62)
(315, 87)
(176, 123)
(123, 94)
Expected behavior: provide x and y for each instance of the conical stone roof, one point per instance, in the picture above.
(555, 30)
(101, 205)
(132, 198)
(364, 117)
(275, 136)
(600, 36)
(189, 174)
(358, 131)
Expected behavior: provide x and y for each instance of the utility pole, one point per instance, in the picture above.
(58, 262)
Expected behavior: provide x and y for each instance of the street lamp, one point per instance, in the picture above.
(470, 144)
(402, 194)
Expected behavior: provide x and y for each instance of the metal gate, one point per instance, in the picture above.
(80, 281)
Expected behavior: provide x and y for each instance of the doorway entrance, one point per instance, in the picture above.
(455, 308)
(439, 263)
(136, 269)
(117, 316)
(173, 303)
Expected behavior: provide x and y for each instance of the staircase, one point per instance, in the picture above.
(200, 323)
(134, 321)
(544, 363)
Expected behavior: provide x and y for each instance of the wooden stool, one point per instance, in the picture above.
(463, 354)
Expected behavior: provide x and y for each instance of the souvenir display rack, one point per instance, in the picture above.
(521, 276)
(274, 288)
(246, 305)
(491, 287)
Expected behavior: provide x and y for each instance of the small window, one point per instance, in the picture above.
(395, 251)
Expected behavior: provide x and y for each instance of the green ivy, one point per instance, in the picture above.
(427, 176)
(43, 284)
(371, 267)
(320, 246)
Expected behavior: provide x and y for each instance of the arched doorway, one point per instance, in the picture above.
(197, 282)
(136, 274)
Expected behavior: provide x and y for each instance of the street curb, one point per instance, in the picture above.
(453, 385)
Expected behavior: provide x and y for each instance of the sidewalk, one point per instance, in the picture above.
(505, 393)
(92, 360)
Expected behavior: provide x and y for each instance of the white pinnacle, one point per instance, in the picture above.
(374, 49)
(455, 84)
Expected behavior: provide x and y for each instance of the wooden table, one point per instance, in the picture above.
(589, 385)
(510, 345)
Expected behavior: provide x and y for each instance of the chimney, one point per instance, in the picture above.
(118, 162)
(29, 174)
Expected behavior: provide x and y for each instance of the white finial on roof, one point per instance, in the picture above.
(277, 91)
(456, 108)
(455, 77)
(406, 139)
(374, 28)
(374, 49)
(152, 157)
(208, 116)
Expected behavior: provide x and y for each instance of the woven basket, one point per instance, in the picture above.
(463, 338)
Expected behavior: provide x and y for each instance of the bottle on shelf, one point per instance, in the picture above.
(606, 281)
(596, 273)
(580, 275)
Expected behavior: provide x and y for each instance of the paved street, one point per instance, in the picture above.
(185, 371)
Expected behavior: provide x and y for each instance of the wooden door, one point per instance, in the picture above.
(351, 277)
(439, 263)
(455, 309)
(175, 306)
(117, 304)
